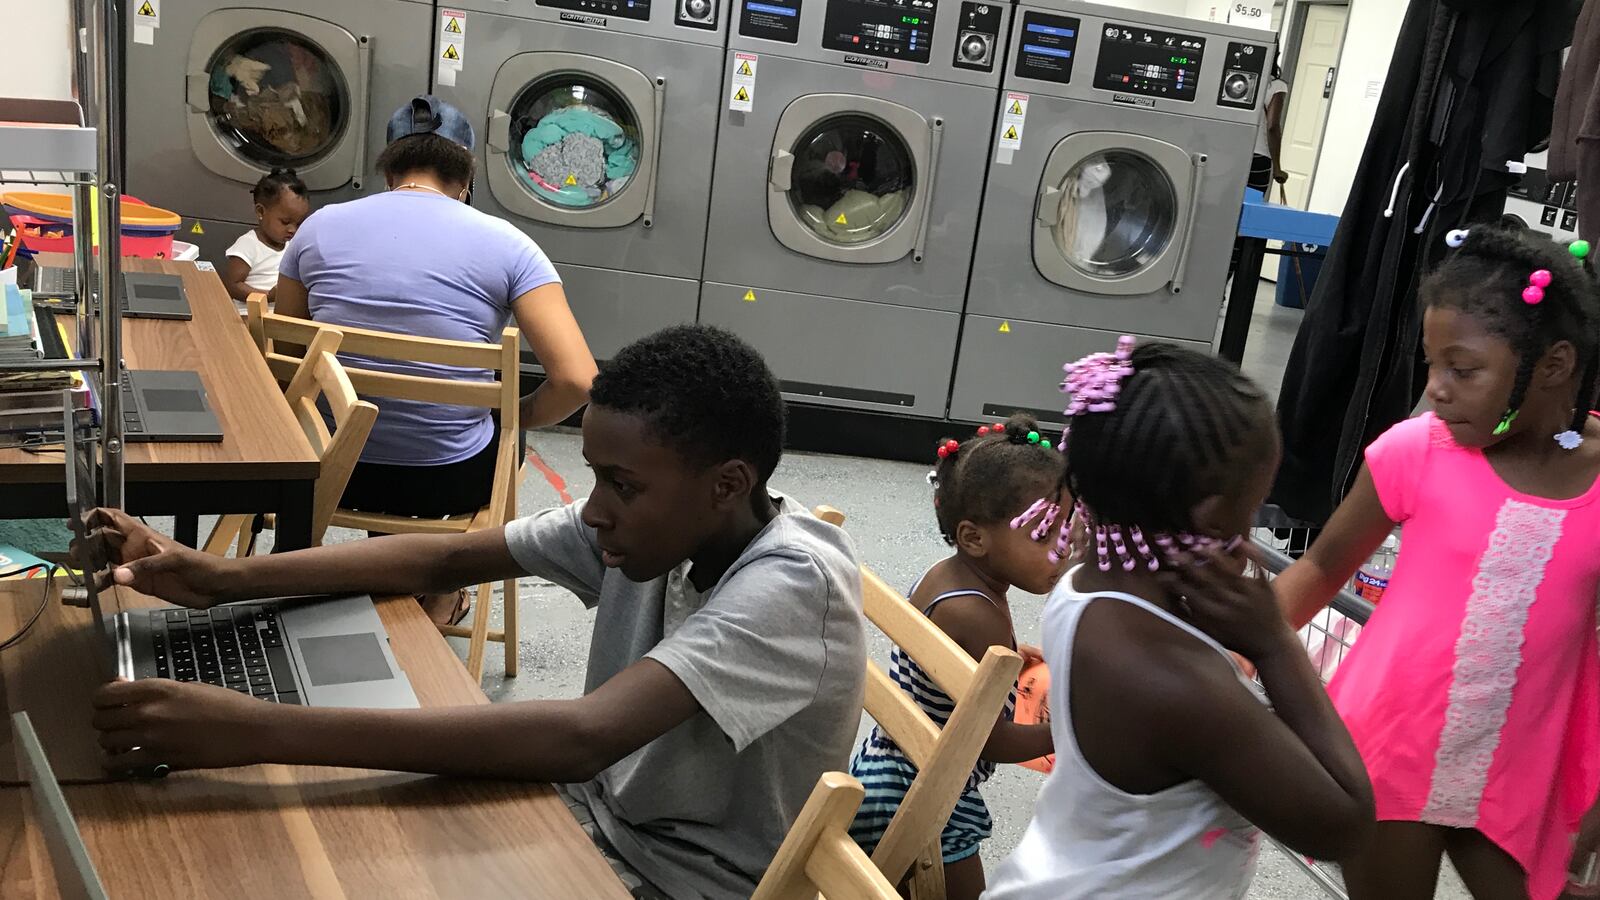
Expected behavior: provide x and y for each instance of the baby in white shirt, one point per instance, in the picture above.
(252, 264)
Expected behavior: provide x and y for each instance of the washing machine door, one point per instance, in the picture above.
(849, 178)
(1113, 213)
(267, 88)
(573, 139)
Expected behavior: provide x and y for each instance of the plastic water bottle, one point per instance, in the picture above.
(1372, 579)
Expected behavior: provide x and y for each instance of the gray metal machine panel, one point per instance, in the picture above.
(687, 21)
(1009, 366)
(741, 248)
(949, 30)
(615, 308)
(674, 245)
(163, 166)
(847, 353)
(1005, 280)
(1095, 19)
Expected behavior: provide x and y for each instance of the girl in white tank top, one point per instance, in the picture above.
(1169, 767)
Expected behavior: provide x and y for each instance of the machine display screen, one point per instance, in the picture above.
(1138, 60)
(893, 29)
(1049, 44)
(627, 9)
(771, 20)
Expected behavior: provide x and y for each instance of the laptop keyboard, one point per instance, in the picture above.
(237, 647)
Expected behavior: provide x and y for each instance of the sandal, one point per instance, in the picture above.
(462, 608)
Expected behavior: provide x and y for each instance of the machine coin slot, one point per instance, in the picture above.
(771, 20)
(890, 29)
(1137, 60)
(1049, 45)
(622, 9)
(1241, 80)
(977, 36)
(697, 14)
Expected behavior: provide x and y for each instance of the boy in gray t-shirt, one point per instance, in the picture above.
(727, 665)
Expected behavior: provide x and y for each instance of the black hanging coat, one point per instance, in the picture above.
(1470, 88)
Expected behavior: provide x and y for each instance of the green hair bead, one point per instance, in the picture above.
(1579, 249)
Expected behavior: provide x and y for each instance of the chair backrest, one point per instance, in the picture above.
(321, 375)
(819, 856)
(280, 338)
(944, 756)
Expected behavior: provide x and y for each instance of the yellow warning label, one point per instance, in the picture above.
(1016, 108)
(840, 220)
(572, 181)
(453, 26)
(145, 9)
(750, 296)
(1011, 133)
(1005, 327)
(744, 69)
(196, 229)
(741, 94)
(450, 52)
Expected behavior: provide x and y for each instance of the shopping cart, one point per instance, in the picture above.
(1328, 638)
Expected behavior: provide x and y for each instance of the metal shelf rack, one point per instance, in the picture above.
(51, 142)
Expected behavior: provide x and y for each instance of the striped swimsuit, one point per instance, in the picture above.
(886, 772)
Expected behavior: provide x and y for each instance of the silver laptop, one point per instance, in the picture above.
(76, 878)
(145, 295)
(315, 651)
(167, 407)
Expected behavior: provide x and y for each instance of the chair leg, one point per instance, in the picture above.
(227, 529)
(480, 633)
(927, 874)
(509, 632)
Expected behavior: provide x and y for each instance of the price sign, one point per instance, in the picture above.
(1254, 15)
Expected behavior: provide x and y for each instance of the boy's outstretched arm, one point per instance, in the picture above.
(199, 726)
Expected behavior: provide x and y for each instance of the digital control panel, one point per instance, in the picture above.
(1049, 44)
(587, 9)
(1242, 79)
(891, 29)
(1146, 61)
(978, 35)
(771, 20)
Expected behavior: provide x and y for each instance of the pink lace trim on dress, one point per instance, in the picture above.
(1488, 654)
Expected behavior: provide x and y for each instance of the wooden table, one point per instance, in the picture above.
(263, 462)
(278, 831)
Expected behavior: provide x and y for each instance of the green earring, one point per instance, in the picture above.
(1505, 422)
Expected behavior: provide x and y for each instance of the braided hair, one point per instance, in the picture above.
(1186, 426)
(275, 183)
(1485, 278)
(991, 476)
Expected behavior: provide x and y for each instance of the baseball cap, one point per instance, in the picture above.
(427, 114)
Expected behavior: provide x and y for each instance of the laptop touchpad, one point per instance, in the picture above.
(344, 659)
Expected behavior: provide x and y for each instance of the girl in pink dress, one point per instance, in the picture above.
(1473, 693)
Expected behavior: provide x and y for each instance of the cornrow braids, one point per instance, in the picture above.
(990, 477)
(1186, 426)
(1485, 279)
(276, 182)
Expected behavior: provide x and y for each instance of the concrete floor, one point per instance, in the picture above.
(890, 517)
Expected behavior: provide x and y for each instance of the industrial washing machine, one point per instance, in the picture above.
(1114, 190)
(216, 97)
(599, 122)
(850, 165)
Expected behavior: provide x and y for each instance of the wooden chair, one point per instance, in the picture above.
(819, 856)
(319, 375)
(279, 336)
(909, 851)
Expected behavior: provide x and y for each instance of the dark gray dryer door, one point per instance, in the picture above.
(267, 88)
(1114, 213)
(851, 177)
(573, 139)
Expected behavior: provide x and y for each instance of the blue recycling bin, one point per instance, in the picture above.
(1307, 231)
(1295, 289)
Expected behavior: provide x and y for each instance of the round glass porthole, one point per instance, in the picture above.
(277, 99)
(1119, 211)
(853, 179)
(575, 143)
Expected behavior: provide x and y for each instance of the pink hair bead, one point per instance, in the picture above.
(1540, 278)
(1533, 295)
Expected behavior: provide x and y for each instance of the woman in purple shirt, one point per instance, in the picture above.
(418, 260)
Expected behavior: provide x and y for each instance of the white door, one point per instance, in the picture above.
(1320, 44)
